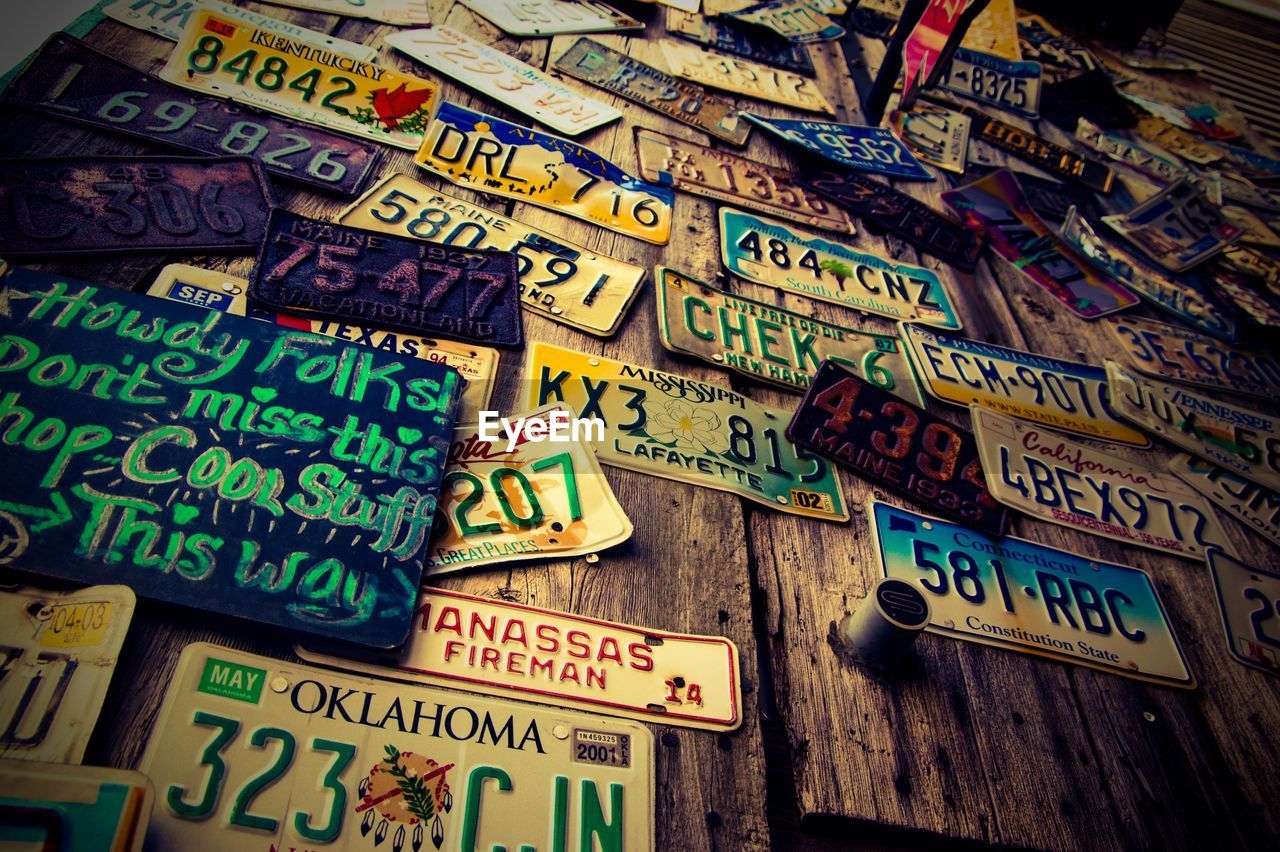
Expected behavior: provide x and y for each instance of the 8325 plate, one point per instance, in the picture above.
(1249, 600)
(867, 149)
(1170, 352)
(530, 18)
(1013, 86)
(1257, 507)
(743, 77)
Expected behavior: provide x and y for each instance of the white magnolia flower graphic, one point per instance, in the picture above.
(687, 426)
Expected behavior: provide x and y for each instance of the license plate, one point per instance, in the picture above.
(1257, 507)
(769, 343)
(932, 39)
(251, 750)
(1237, 289)
(109, 807)
(400, 13)
(1062, 394)
(995, 31)
(528, 18)
(743, 77)
(1012, 86)
(1130, 153)
(935, 134)
(72, 81)
(504, 78)
(1177, 227)
(1248, 599)
(1026, 597)
(1181, 355)
(60, 650)
(796, 20)
(606, 68)
(1256, 231)
(1048, 476)
(1250, 261)
(678, 428)
(867, 149)
(1177, 141)
(99, 205)
(1207, 121)
(723, 176)
(228, 58)
(633, 672)
(778, 255)
(560, 280)
(1040, 41)
(729, 36)
(487, 154)
(896, 444)
(1051, 199)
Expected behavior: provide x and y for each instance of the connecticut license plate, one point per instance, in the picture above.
(795, 20)
(743, 77)
(1248, 599)
(529, 18)
(1177, 227)
(1014, 86)
(1257, 507)
(937, 135)
(750, 42)
(868, 149)
(1171, 352)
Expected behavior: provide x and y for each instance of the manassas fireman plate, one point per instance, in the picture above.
(1257, 507)
(1044, 474)
(1022, 596)
(668, 425)
(742, 76)
(487, 154)
(769, 343)
(505, 649)
(544, 18)
(251, 752)
(1176, 353)
(72, 808)
(1249, 600)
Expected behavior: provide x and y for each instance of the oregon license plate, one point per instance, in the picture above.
(400, 13)
(769, 343)
(671, 426)
(55, 806)
(935, 134)
(529, 18)
(250, 750)
(490, 155)
(796, 20)
(867, 149)
(1021, 596)
(560, 280)
(743, 77)
(1012, 86)
(1177, 227)
(729, 36)
(1171, 352)
(615, 669)
(1257, 507)
(1249, 600)
(1047, 476)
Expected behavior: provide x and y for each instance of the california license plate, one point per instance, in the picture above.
(1177, 227)
(867, 149)
(1171, 352)
(490, 155)
(935, 134)
(743, 77)
(729, 36)
(671, 426)
(795, 20)
(1012, 86)
(1249, 600)
(1026, 597)
(529, 18)
(1257, 507)
(400, 13)
(251, 750)
(53, 806)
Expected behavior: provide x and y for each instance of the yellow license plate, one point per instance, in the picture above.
(742, 76)
(995, 31)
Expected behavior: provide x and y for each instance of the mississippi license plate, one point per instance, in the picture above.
(867, 149)
(935, 134)
(529, 18)
(1177, 227)
(1063, 394)
(59, 652)
(1045, 475)
(896, 444)
(769, 343)
(560, 280)
(1012, 86)
(248, 750)
(96, 205)
(602, 66)
(729, 36)
(723, 176)
(231, 59)
(490, 155)
(796, 20)
(1249, 600)
(400, 13)
(1026, 597)
(1171, 352)
(743, 77)
(1257, 507)
(46, 805)
(678, 428)
(634, 672)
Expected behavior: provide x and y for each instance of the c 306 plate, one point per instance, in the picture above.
(937, 135)
(1249, 600)
(1171, 352)
(743, 77)
(544, 18)
(750, 42)
(867, 149)
(1257, 507)
(1012, 86)
(1177, 227)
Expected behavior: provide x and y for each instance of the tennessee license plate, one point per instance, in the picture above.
(867, 149)
(1171, 352)
(251, 750)
(1249, 600)
(795, 20)
(743, 77)
(400, 13)
(769, 343)
(529, 18)
(935, 134)
(490, 155)
(48, 804)
(1012, 86)
(1026, 597)
(1257, 507)
(1177, 227)
(560, 280)
(729, 36)
(678, 428)
(614, 669)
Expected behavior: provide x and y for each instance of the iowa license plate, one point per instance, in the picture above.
(250, 750)
(529, 18)
(1249, 600)
(743, 77)
(48, 804)
(867, 149)
(1021, 596)
(667, 425)
(935, 134)
(1171, 352)
(1013, 86)
(1257, 507)
(729, 36)
(1177, 227)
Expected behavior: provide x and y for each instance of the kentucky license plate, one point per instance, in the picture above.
(1171, 352)
(248, 750)
(796, 20)
(750, 42)
(1021, 596)
(678, 428)
(1177, 227)
(743, 77)
(529, 18)
(1013, 86)
(1249, 600)
(867, 149)
(1257, 507)
(935, 134)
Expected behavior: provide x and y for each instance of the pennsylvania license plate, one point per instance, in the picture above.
(796, 20)
(400, 13)
(867, 149)
(1257, 507)
(46, 805)
(529, 18)
(248, 750)
(769, 343)
(1177, 227)
(614, 669)
(1026, 597)
(1248, 599)
(678, 428)
(490, 155)
(1171, 352)
(1012, 86)
(729, 36)
(935, 134)
(743, 77)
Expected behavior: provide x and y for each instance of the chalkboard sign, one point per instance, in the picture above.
(213, 461)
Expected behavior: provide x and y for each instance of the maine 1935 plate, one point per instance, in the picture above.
(504, 649)
(1043, 474)
(769, 343)
(1177, 227)
(73, 81)
(560, 280)
(678, 428)
(750, 42)
(743, 77)
(400, 13)
(868, 149)
(1176, 353)
(602, 66)
(1063, 394)
(795, 20)
(490, 155)
(95, 205)
(935, 134)
(896, 444)
(530, 18)
(1249, 600)
(108, 807)
(1013, 86)
(1021, 596)
(724, 176)
(358, 758)
(1257, 507)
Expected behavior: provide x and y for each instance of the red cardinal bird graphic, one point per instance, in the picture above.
(397, 103)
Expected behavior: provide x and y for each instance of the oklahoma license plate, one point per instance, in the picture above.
(1021, 596)
(1171, 352)
(678, 428)
(1249, 600)
(795, 20)
(251, 750)
(729, 36)
(868, 149)
(1177, 227)
(935, 134)
(743, 77)
(529, 18)
(56, 806)
(1257, 507)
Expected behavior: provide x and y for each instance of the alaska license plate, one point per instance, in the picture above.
(59, 807)
(1012, 86)
(1181, 355)
(399, 13)
(796, 20)
(1021, 596)
(743, 77)
(545, 18)
(1257, 507)
(1249, 600)
(679, 428)
(935, 134)
(729, 36)
(1177, 227)
(867, 149)
(248, 750)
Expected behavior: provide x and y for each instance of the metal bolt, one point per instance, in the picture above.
(560, 732)
(279, 683)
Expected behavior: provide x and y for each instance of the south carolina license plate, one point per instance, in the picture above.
(1177, 227)
(1249, 600)
(529, 18)
(868, 149)
(1014, 86)
(1171, 352)
(1257, 507)
(743, 77)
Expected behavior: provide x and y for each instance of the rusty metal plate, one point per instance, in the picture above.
(1181, 355)
(545, 18)
(1177, 227)
(995, 31)
(109, 807)
(798, 21)
(743, 77)
(1011, 86)
(400, 13)
(1257, 507)
(935, 134)
(867, 149)
(750, 42)
(1248, 598)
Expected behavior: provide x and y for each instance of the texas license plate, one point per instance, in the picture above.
(867, 149)
(678, 428)
(529, 18)
(560, 280)
(1249, 600)
(743, 77)
(1026, 597)
(769, 343)
(47, 805)
(1177, 227)
(1257, 507)
(1171, 352)
(251, 750)
(935, 134)
(400, 13)
(490, 155)
(795, 20)
(1012, 86)
(729, 36)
